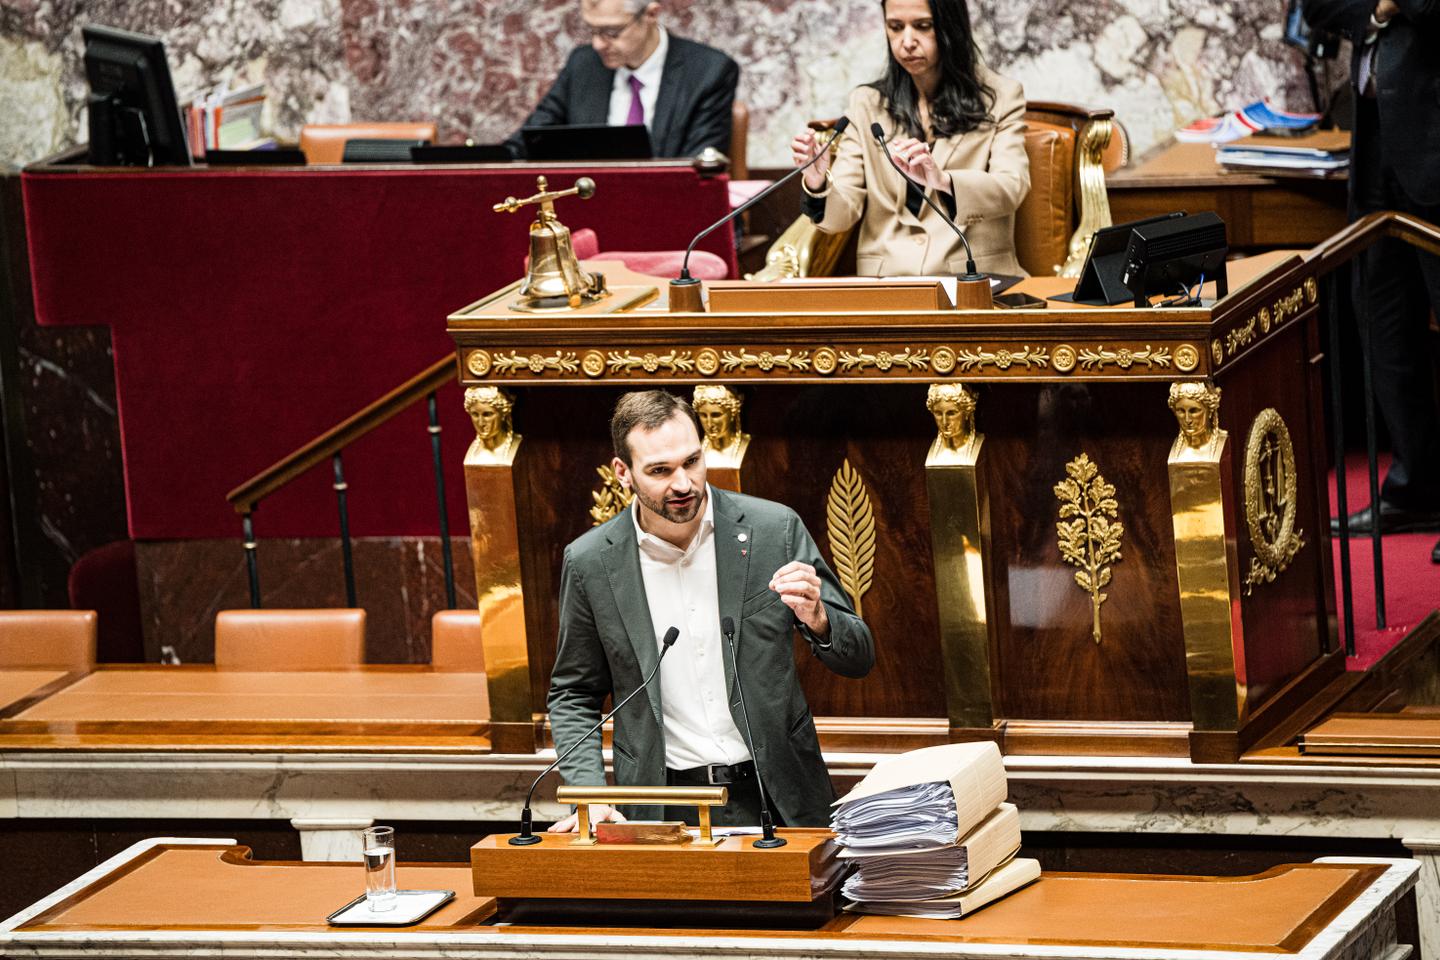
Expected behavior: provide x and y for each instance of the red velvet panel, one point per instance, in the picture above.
(252, 310)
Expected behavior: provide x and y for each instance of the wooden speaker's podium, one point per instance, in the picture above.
(729, 884)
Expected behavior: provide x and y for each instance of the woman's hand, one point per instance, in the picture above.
(802, 150)
(914, 158)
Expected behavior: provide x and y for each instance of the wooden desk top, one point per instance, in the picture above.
(1190, 165)
(1280, 910)
(19, 686)
(199, 705)
(1415, 734)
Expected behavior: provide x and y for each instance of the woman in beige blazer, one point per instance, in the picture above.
(953, 126)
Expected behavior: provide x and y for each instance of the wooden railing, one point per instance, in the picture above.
(330, 445)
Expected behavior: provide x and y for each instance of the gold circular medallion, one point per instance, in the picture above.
(1312, 290)
(943, 360)
(1063, 358)
(478, 362)
(593, 363)
(825, 361)
(1187, 358)
(1264, 319)
(1217, 350)
(707, 361)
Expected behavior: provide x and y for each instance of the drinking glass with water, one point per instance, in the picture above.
(380, 868)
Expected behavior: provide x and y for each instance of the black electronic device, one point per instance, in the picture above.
(379, 150)
(1173, 255)
(1100, 284)
(462, 153)
(587, 141)
(1019, 301)
(134, 118)
(279, 157)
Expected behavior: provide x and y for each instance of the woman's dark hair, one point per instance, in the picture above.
(961, 102)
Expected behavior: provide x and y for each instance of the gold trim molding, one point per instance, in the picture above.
(1270, 499)
(1002, 359)
(1124, 357)
(1089, 532)
(1265, 321)
(850, 524)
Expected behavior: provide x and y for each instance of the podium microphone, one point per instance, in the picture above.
(526, 836)
(685, 289)
(767, 823)
(971, 274)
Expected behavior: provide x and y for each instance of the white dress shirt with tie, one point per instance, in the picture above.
(648, 73)
(682, 592)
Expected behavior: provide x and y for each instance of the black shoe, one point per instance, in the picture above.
(1435, 554)
(1393, 519)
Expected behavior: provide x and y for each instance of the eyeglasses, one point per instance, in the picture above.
(611, 33)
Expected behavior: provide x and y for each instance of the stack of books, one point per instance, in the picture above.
(930, 835)
(226, 119)
(1325, 153)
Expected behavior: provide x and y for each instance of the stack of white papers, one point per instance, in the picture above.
(920, 816)
(930, 835)
(891, 874)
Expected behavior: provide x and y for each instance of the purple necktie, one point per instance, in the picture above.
(636, 116)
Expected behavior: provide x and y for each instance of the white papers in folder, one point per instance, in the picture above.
(973, 773)
(887, 874)
(1005, 880)
(918, 816)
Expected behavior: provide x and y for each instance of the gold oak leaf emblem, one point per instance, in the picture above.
(610, 499)
(1089, 532)
(850, 522)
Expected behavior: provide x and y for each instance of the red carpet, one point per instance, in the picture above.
(1412, 582)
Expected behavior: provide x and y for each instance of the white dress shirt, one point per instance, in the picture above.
(648, 74)
(682, 592)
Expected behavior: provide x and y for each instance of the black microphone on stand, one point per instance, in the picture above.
(767, 823)
(685, 280)
(971, 274)
(526, 836)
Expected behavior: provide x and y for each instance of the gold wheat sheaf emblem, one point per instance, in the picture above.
(1089, 530)
(850, 522)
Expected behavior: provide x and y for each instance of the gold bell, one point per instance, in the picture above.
(555, 280)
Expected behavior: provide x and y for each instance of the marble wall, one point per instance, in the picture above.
(480, 65)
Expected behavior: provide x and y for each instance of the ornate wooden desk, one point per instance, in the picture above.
(1060, 568)
(238, 907)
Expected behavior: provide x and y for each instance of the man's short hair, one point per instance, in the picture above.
(648, 410)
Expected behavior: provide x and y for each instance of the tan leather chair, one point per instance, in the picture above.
(325, 143)
(739, 140)
(289, 639)
(455, 641)
(1068, 147)
(63, 639)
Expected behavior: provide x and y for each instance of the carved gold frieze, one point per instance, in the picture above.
(1123, 357)
(826, 360)
(478, 362)
(707, 361)
(1265, 321)
(1064, 358)
(512, 363)
(764, 360)
(1270, 499)
(1187, 358)
(610, 499)
(1089, 532)
(883, 360)
(850, 524)
(672, 361)
(1002, 359)
(942, 360)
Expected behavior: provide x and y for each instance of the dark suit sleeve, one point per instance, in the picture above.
(1350, 17)
(580, 681)
(710, 122)
(553, 110)
(1419, 11)
(849, 650)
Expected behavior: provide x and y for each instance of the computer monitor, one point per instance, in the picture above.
(587, 141)
(134, 119)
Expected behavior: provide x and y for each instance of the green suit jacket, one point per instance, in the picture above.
(607, 645)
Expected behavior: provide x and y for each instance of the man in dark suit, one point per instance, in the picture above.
(1395, 165)
(634, 71)
(687, 555)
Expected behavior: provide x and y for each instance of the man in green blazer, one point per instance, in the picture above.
(687, 555)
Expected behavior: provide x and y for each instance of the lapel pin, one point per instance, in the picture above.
(742, 537)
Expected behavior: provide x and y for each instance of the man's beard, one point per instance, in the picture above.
(665, 511)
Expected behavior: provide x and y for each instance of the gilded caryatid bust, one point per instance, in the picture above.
(1196, 407)
(953, 408)
(718, 408)
(490, 409)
